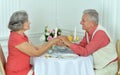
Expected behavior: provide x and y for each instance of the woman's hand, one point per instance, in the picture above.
(55, 41)
(65, 40)
(60, 43)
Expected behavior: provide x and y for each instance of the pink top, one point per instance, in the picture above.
(99, 40)
(18, 63)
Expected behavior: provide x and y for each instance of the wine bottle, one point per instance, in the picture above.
(59, 32)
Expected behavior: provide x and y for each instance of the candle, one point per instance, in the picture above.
(55, 33)
(75, 34)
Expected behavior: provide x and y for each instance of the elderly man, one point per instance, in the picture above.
(97, 43)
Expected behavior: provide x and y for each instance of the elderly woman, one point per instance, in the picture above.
(97, 43)
(20, 50)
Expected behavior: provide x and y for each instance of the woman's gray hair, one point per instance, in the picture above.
(17, 20)
(93, 15)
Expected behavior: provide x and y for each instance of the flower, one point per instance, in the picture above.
(50, 34)
(49, 38)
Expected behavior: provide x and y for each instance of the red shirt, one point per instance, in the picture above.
(99, 40)
(18, 63)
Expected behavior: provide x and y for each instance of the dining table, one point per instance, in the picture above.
(63, 63)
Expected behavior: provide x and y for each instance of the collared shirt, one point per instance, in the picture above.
(99, 40)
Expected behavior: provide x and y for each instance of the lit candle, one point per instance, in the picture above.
(75, 34)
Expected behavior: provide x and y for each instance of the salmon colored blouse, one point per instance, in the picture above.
(18, 63)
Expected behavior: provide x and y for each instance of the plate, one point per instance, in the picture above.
(59, 48)
(68, 56)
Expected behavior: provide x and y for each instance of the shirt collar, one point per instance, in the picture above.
(92, 30)
(15, 33)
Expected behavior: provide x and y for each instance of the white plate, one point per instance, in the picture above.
(68, 55)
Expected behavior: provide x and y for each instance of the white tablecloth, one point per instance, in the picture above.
(56, 66)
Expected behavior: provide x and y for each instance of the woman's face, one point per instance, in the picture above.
(26, 25)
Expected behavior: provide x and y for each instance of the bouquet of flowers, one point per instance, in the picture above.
(51, 34)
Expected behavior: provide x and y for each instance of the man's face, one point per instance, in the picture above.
(86, 23)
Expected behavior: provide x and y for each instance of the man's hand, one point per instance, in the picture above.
(65, 40)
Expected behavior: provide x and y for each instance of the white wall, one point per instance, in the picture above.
(7, 7)
(117, 20)
(110, 17)
(41, 12)
(60, 13)
(69, 12)
(65, 14)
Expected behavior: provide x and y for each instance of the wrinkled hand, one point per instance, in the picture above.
(65, 40)
(60, 43)
(55, 41)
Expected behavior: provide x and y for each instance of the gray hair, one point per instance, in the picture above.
(93, 15)
(17, 20)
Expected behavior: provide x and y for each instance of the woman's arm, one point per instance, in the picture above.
(30, 50)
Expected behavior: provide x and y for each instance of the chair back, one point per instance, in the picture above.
(2, 61)
(118, 52)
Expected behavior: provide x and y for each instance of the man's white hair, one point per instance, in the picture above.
(93, 15)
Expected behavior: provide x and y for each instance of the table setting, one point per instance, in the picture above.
(61, 60)
(60, 53)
